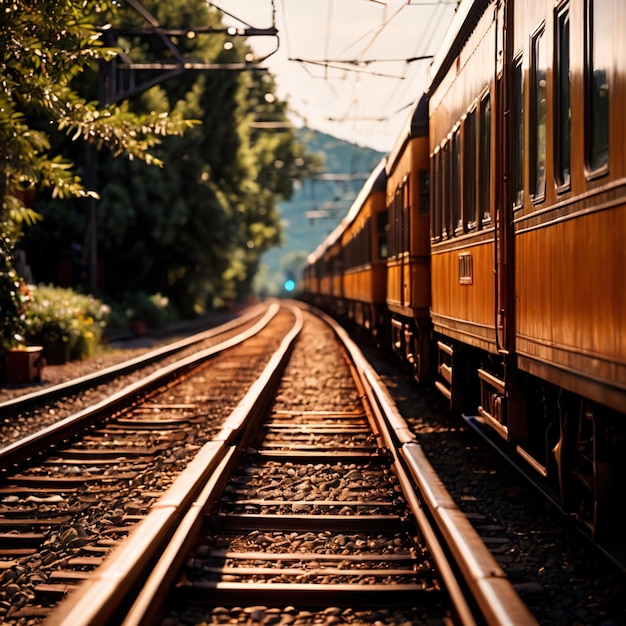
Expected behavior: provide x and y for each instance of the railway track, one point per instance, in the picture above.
(72, 491)
(312, 502)
(39, 399)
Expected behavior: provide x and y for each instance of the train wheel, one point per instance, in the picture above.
(587, 456)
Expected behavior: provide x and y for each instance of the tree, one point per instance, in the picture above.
(44, 46)
(195, 229)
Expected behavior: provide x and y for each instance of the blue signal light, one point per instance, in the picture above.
(290, 285)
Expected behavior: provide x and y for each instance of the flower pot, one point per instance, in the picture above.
(24, 365)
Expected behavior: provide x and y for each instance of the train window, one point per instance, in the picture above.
(382, 226)
(455, 208)
(469, 170)
(538, 115)
(598, 49)
(447, 191)
(393, 220)
(397, 227)
(435, 221)
(365, 243)
(517, 151)
(539, 111)
(406, 214)
(351, 252)
(397, 209)
(563, 114)
(484, 161)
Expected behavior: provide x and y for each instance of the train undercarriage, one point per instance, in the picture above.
(566, 445)
(410, 339)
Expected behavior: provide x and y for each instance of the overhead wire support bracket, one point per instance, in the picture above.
(179, 63)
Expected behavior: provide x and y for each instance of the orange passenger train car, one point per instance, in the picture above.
(364, 245)
(408, 261)
(527, 120)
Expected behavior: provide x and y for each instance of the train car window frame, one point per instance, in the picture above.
(484, 160)
(562, 99)
(456, 216)
(517, 136)
(382, 229)
(406, 214)
(597, 89)
(436, 199)
(395, 225)
(538, 114)
(470, 171)
(447, 190)
(364, 243)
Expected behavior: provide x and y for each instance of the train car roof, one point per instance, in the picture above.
(463, 22)
(376, 181)
(416, 126)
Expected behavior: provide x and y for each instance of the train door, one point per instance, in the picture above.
(405, 239)
(503, 207)
(507, 172)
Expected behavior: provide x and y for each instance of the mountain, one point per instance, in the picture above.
(316, 207)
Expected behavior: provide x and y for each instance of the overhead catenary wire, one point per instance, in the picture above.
(370, 57)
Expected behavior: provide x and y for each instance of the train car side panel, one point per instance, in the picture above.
(419, 291)
(408, 264)
(569, 216)
(464, 153)
(572, 305)
(463, 304)
(364, 251)
(569, 244)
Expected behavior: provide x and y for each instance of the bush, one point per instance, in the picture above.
(154, 311)
(57, 316)
(13, 298)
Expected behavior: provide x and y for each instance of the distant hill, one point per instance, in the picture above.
(317, 206)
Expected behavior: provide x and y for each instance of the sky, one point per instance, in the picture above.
(347, 68)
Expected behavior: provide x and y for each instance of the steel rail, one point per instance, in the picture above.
(126, 588)
(126, 367)
(475, 568)
(477, 586)
(22, 449)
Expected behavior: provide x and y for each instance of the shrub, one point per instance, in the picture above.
(61, 316)
(13, 298)
(154, 310)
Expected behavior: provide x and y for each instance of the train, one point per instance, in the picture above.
(486, 249)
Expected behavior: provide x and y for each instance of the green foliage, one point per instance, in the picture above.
(13, 299)
(44, 46)
(155, 310)
(55, 315)
(195, 229)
